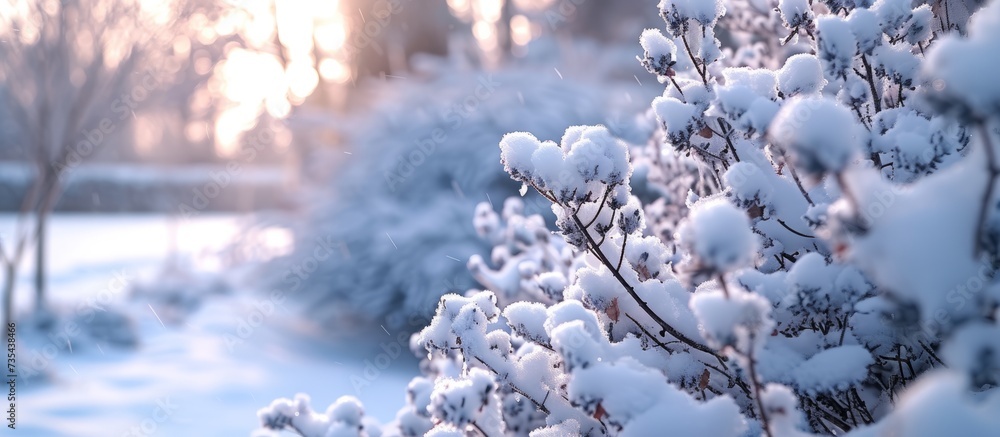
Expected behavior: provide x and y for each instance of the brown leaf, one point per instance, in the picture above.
(599, 413)
(705, 132)
(612, 310)
(643, 272)
(703, 382)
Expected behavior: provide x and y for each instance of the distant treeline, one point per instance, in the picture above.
(134, 188)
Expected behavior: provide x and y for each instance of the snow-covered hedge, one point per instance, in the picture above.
(819, 257)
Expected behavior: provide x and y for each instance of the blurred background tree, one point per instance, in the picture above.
(73, 72)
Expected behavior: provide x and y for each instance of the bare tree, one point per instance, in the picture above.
(75, 71)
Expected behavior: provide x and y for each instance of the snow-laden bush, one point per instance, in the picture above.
(395, 219)
(819, 259)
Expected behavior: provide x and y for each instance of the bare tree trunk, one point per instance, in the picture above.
(40, 255)
(8, 293)
(503, 33)
(50, 191)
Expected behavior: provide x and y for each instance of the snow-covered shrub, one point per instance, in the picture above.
(818, 256)
(397, 213)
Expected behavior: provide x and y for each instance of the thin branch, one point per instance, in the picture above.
(729, 141)
(541, 406)
(899, 361)
(850, 410)
(843, 330)
(476, 426)
(664, 326)
(601, 206)
(622, 256)
(706, 152)
(832, 418)
(784, 225)
(613, 215)
(649, 334)
(780, 262)
(732, 381)
(725, 288)
(798, 183)
(794, 31)
(751, 365)
(871, 83)
(993, 170)
(295, 428)
(679, 90)
(930, 352)
(694, 61)
(866, 415)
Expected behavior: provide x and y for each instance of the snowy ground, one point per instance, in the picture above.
(183, 378)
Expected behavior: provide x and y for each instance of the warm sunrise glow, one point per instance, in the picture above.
(485, 17)
(520, 30)
(294, 48)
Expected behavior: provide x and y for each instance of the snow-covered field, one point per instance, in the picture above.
(205, 374)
